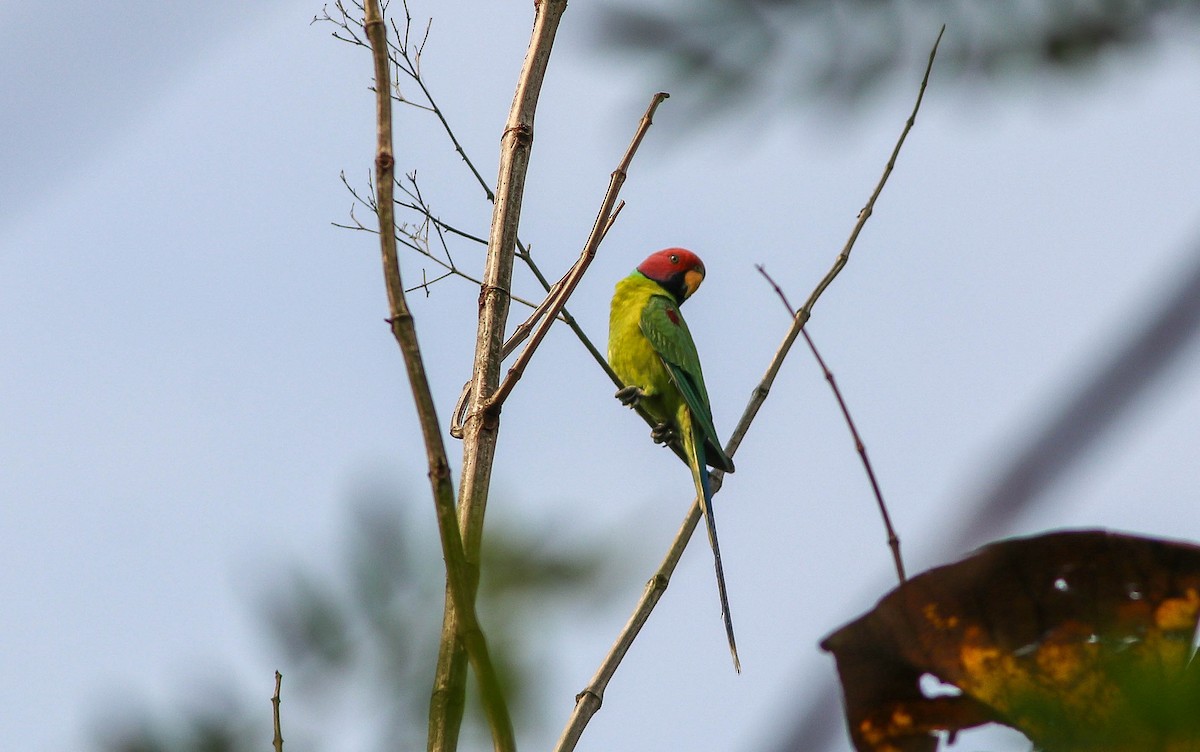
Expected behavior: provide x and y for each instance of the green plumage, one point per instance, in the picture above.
(648, 349)
(651, 348)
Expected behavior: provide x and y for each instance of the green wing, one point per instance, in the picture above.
(668, 333)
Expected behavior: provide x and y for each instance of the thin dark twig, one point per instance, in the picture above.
(275, 700)
(446, 226)
(778, 290)
(425, 283)
(417, 237)
(424, 208)
(412, 68)
(892, 539)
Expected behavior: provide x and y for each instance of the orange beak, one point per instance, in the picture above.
(692, 280)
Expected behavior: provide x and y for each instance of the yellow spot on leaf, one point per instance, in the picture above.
(1178, 614)
(936, 620)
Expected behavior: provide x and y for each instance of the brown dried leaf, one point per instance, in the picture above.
(1081, 640)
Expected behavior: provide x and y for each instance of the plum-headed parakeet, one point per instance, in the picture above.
(651, 350)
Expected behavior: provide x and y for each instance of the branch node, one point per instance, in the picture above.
(486, 291)
(522, 133)
(599, 697)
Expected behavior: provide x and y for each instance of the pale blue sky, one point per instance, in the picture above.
(196, 379)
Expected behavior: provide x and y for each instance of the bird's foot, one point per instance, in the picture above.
(663, 434)
(630, 395)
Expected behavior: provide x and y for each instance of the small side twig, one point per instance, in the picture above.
(589, 700)
(275, 700)
(892, 539)
(414, 72)
(417, 237)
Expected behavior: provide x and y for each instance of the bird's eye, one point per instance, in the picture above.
(674, 258)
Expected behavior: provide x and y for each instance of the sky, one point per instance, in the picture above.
(196, 381)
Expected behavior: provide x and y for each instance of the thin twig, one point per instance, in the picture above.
(419, 205)
(459, 581)
(524, 253)
(417, 238)
(275, 700)
(892, 539)
(414, 71)
(589, 700)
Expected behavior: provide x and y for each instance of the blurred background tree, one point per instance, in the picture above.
(778, 53)
(359, 641)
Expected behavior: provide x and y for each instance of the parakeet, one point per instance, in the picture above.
(651, 350)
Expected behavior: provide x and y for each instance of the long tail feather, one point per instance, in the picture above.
(711, 522)
(695, 449)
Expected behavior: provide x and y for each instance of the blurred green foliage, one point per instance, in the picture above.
(358, 647)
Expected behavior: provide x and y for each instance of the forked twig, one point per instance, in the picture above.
(417, 237)
(559, 291)
(604, 220)
(893, 540)
(589, 700)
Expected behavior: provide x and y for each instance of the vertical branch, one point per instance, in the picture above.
(482, 424)
(404, 330)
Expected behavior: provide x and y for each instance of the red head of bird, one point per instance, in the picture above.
(678, 270)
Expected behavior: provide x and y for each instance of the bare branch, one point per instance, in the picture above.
(778, 290)
(589, 700)
(409, 61)
(425, 283)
